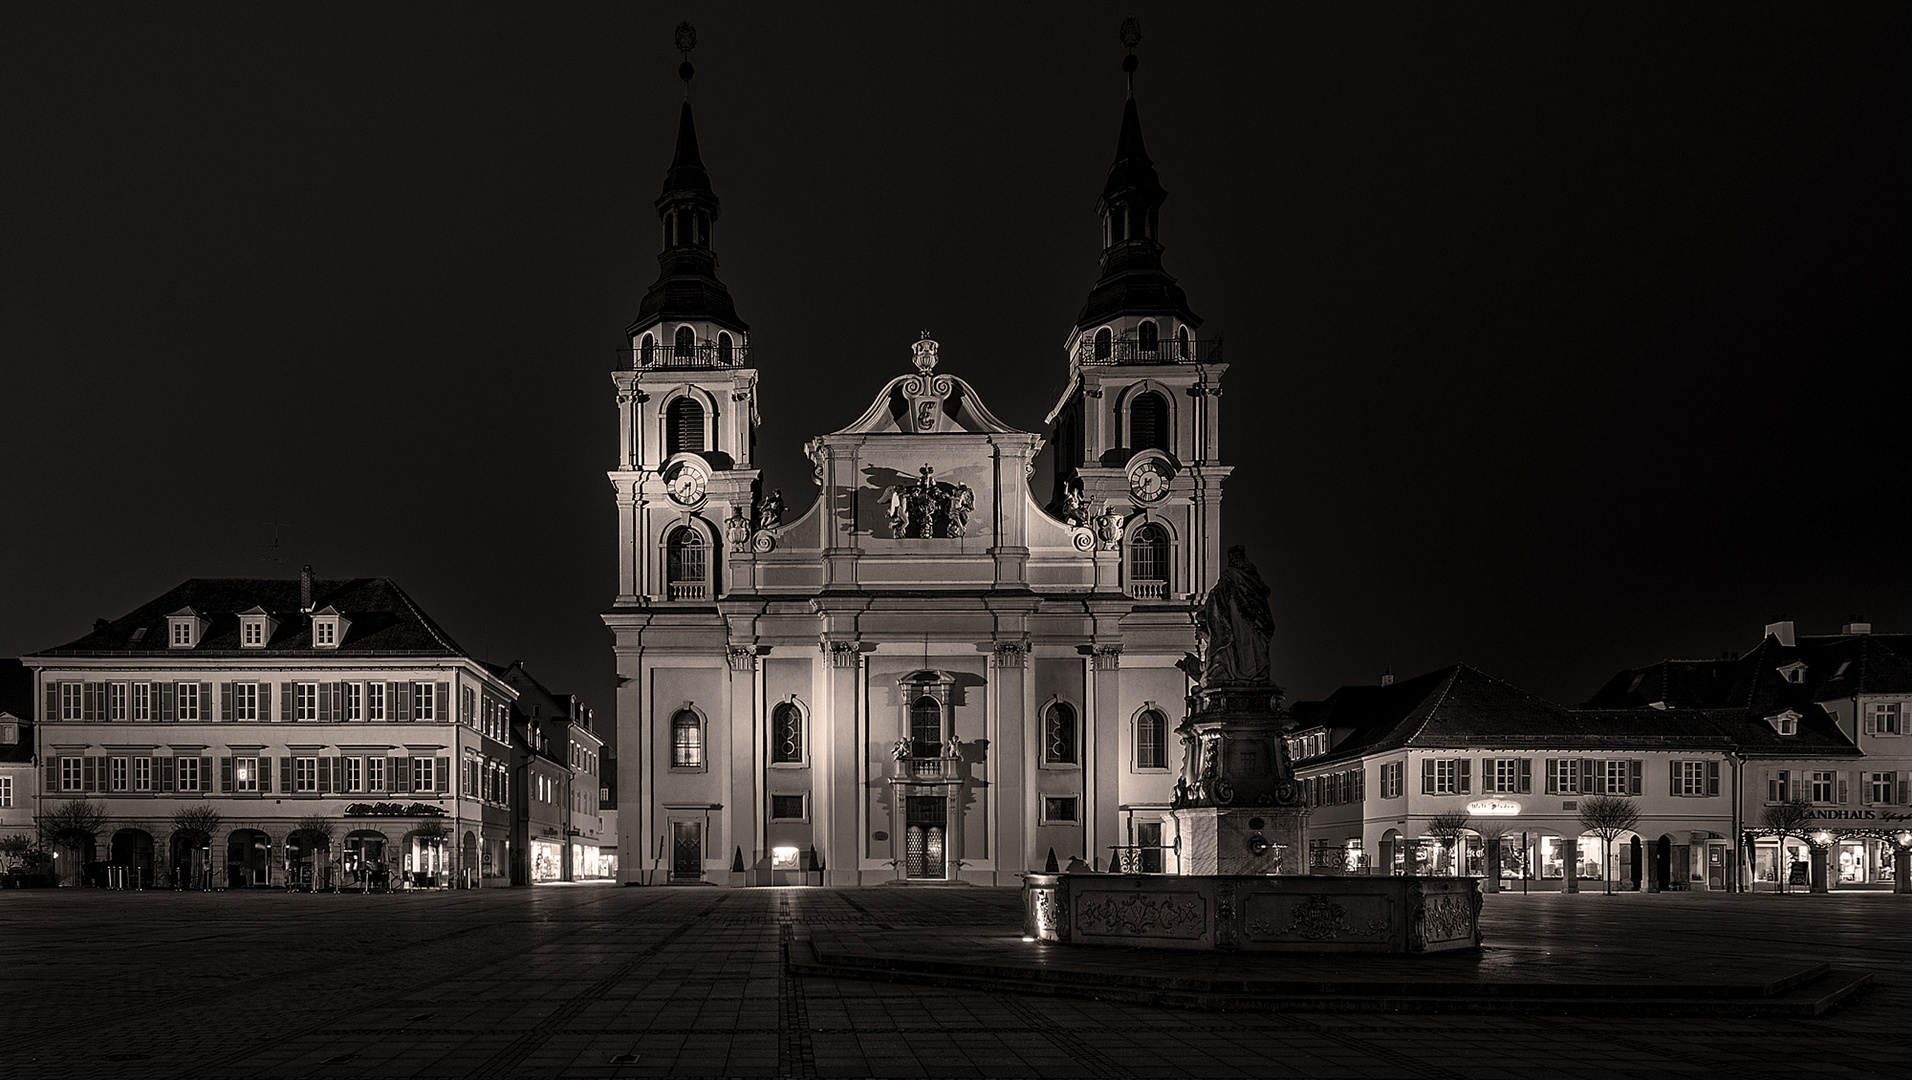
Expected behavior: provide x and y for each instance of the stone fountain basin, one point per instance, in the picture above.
(1255, 912)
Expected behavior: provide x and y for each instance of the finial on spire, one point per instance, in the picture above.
(686, 41)
(1131, 37)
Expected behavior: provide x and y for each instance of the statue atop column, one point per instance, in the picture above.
(1234, 627)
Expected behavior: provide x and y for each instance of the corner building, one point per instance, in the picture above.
(931, 673)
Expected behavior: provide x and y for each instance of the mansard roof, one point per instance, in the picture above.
(384, 620)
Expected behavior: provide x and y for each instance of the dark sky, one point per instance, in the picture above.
(1561, 340)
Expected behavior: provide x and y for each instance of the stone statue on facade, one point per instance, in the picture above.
(770, 511)
(737, 530)
(1234, 626)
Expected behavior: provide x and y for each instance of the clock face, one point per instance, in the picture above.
(685, 485)
(1148, 481)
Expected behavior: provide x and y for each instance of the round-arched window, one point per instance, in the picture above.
(686, 343)
(687, 741)
(1145, 337)
(723, 348)
(786, 734)
(687, 564)
(1151, 740)
(647, 350)
(926, 726)
(1181, 342)
(1148, 562)
(684, 426)
(1059, 735)
(1104, 344)
(1148, 422)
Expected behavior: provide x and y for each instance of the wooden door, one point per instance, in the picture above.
(687, 850)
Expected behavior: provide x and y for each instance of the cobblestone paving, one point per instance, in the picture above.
(609, 982)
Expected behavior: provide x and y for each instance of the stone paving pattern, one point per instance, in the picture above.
(627, 982)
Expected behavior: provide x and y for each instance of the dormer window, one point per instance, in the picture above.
(1786, 723)
(184, 629)
(255, 628)
(1794, 672)
(328, 628)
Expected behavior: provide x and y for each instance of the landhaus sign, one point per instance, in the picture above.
(1861, 815)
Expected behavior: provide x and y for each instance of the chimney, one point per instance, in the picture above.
(305, 588)
(1782, 628)
(1856, 625)
(1387, 677)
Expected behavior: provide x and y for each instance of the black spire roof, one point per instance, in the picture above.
(1133, 281)
(687, 287)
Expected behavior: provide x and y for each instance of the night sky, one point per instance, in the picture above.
(1562, 340)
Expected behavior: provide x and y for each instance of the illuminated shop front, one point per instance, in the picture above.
(547, 860)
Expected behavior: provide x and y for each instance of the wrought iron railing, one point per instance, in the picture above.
(1137, 859)
(1139, 351)
(704, 354)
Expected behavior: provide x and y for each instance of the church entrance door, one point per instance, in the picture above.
(925, 836)
(687, 850)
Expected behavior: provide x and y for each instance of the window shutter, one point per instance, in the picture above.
(1464, 779)
(205, 773)
(398, 702)
(1524, 776)
(325, 773)
(90, 701)
(52, 775)
(1635, 769)
(1553, 776)
(325, 702)
(1587, 785)
(168, 701)
(443, 712)
(86, 773)
(442, 774)
(52, 710)
(226, 694)
(285, 701)
(1872, 723)
(225, 774)
(1672, 778)
(398, 774)
(1842, 788)
(285, 775)
(1905, 791)
(1427, 776)
(165, 766)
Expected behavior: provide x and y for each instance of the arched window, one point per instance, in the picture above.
(684, 426)
(723, 348)
(1148, 422)
(686, 343)
(687, 741)
(1059, 735)
(647, 350)
(1104, 344)
(1181, 342)
(926, 726)
(1145, 337)
(687, 564)
(786, 734)
(1148, 562)
(1116, 224)
(1151, 740)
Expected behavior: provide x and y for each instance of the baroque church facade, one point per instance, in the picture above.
(932, 673)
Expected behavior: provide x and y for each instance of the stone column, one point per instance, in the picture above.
(1570, 875)
(1902, 870)
(1818, 857)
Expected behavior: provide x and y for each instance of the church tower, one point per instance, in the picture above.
(686, 396)
(1137, 431)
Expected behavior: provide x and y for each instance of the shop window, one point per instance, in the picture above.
(687, 740)
(1059, 735)
(786, 735)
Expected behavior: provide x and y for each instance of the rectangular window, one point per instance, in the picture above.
(786, 807)
(305, 774)
(255, 632)
(182, 633)
(375, 701)
(1446, 776)
(1391, 779)
(422, 778)
(116, 701)
(467, 703)
(375, 774)
(189, 701)
(6, 792)
(245, 701)
(354, 778)
(1885, 719)
(142, 774)
(1881, 787)
(72, 701)
(245, 774)
(305, 701)
(1563, 776)
(70, 779)
(117, 774)
(1058, 810)
(325, 632)
(1822, 787)
(187, 777)
(422, 701)
(142, 701)
(1779, 786)
(354, 701)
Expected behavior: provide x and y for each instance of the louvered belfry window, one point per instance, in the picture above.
(684, 426)
(1148, 422)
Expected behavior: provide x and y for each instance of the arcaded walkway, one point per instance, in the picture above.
(610, 982)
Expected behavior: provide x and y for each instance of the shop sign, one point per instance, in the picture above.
(1861, 815)
(1493, 808)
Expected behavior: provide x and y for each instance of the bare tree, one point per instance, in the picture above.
(1448, 828)
(201, 821)
(1607, 817)
(74, 822)
(1786, 819)
(318, 831)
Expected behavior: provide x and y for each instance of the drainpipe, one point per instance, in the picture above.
(1739, 833)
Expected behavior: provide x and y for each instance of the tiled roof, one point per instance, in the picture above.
(1835, 667)
(384, 620)
(16, 700)
(1460, 706)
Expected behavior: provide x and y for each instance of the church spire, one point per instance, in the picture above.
(687, 289)
(1133, 282)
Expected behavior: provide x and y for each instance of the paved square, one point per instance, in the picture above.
(608, 982)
